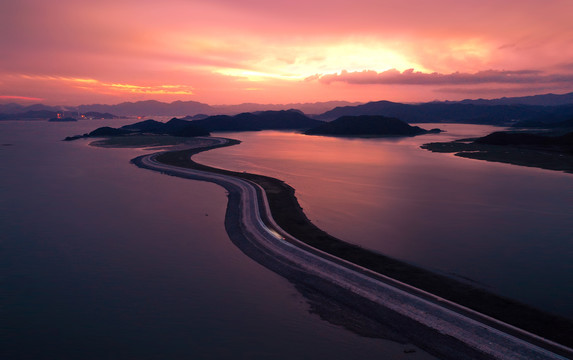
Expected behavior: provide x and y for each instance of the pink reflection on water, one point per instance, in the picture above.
(458, 216)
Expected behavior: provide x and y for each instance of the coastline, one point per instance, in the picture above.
(288, 214)
(529, 156)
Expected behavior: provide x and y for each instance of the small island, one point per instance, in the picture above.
(368, 126)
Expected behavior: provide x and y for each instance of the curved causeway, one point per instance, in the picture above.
(467, 333)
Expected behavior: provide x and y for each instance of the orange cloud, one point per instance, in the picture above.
(104, 87)
(22, 98)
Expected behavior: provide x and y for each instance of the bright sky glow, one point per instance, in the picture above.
(227, 52)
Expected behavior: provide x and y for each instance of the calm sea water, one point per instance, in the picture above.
(102, 260)
(504, 227)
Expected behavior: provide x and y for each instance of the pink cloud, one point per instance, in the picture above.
(192, 42)
(19, 98)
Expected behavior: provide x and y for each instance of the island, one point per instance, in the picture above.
(368, 126)
(551, 150)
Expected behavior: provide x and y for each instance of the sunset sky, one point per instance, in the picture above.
(71, 52)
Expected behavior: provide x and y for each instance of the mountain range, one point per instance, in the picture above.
(177, 108)
(367, 125)
(538, 100)
(548, 108)
(458, 112)
(264, 120)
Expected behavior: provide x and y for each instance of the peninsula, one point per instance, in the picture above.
(549, 150)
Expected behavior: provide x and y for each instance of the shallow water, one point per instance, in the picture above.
(503, 227)
(102, 259)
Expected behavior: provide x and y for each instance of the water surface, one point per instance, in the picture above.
(101, 259)
(503, 227)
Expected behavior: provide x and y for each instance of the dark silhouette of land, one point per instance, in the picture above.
(452, 112)
(46, 112)
(158, 108)
(368, 125)
(539, 100)
(547, 123)
(542, 150)
(503, 111)
(30, 114)
(174, 127)
(266, 120)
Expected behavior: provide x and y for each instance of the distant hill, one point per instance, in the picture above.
(307, 108)
(264, 120)
(544, 124)
(151, 126)
(515, 139)
(539, 100)
(30, 114)
(452, 112)
(176, 108)
(175, 127)
(367, 125)
(503, 111)
(192, 108)
(196, 117)
(240, 122)
(13, 108)
(149, 108)
(51, 114)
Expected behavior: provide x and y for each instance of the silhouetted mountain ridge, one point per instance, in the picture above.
(516, 139)
(263, 120)
(536, 100)
(52, 114)
(533, 124)
(454, 112)
(503, 111)
(30, 114)
(367, 125)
